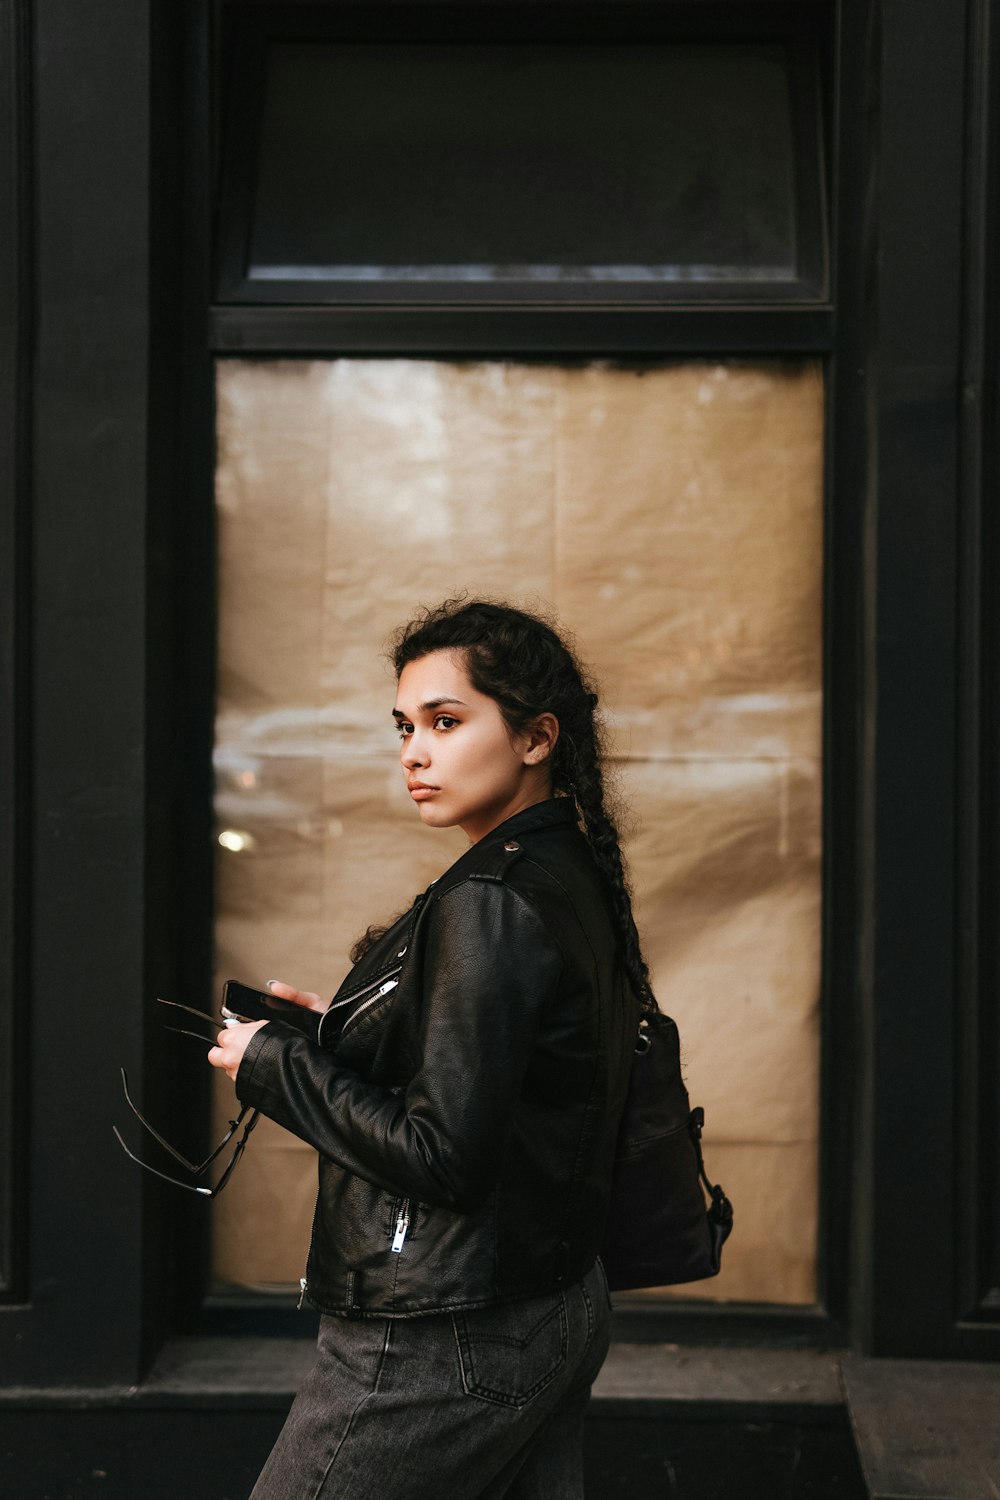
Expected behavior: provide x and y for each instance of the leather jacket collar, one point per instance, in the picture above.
(539, 815)
(548, 814)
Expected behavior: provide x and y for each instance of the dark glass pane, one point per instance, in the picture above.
(538, 163)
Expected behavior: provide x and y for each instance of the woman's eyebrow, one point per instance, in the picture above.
(423, 708)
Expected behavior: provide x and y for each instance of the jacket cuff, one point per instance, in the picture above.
(256, 1064)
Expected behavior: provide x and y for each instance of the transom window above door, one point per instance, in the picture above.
(415, 171)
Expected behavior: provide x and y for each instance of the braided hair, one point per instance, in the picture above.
(519, 661)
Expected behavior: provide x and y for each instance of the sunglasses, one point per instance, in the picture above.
(247, 1118)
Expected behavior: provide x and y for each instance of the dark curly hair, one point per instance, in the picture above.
(526, 667)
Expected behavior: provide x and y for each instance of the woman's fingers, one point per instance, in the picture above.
(283, 991)
(228, 1051)
(308, 999)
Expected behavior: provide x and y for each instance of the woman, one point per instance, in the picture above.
(463, 1091)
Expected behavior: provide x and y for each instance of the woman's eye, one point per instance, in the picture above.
(403, 729)
(444, 721)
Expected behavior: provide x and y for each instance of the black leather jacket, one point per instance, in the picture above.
(464, 1088)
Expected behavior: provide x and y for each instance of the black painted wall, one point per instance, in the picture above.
(109, 119)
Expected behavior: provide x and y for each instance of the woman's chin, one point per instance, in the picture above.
(433, 815)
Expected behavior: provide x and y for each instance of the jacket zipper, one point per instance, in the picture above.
(402, 1226)
(384, 985)
(354, 995)
(383, 989)
(302, 1293)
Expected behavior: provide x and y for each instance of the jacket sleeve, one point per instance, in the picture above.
(490, 965)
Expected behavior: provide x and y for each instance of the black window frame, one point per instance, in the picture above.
(15, 427)
(570, 329)
(977, 1184)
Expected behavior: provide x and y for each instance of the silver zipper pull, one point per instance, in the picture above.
(402, 1225)
(302, 1294)
(356, 1015)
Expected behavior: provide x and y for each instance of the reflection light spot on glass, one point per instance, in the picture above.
(236, 840)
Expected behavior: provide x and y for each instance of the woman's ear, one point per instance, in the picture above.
(542, 738)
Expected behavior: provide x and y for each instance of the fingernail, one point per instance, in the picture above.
(273, 981)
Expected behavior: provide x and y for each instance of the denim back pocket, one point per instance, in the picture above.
(512, 1350)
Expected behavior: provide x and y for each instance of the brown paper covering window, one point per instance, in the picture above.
(672, 518)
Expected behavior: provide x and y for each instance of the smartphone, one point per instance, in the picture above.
(242, 1003)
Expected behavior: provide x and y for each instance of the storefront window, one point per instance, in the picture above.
(671, 516)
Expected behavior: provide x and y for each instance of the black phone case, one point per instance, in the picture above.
(259, 1005)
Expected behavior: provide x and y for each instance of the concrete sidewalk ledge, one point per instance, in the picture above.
(926, 1429)
(752, 1382)
(637, 1380)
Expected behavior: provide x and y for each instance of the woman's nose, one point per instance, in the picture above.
(410, 754)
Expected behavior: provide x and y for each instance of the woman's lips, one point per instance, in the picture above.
(420, 793)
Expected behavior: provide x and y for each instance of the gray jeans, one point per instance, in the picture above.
(455, 1406)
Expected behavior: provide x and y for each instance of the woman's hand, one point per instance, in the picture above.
(308, 999)
(227, 1053)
